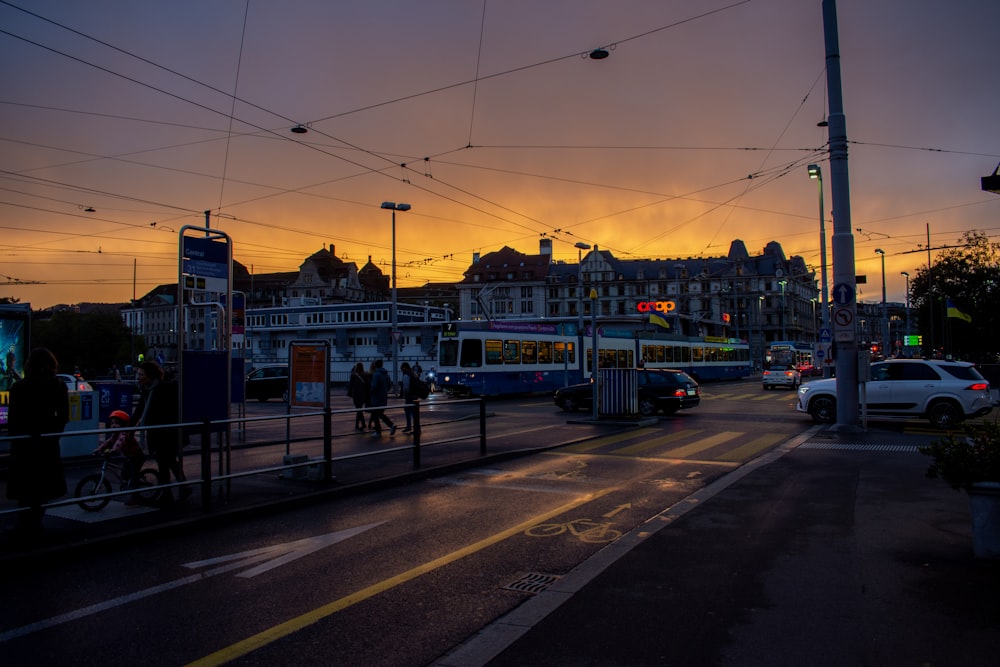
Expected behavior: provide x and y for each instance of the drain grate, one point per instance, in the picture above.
(859, 447)
(532, 582)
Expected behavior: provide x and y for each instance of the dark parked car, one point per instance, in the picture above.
(267, 382)
(664, 390)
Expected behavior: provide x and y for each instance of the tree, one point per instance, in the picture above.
(967, 275)
(93, 341)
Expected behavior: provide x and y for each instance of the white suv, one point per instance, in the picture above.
(945, 392)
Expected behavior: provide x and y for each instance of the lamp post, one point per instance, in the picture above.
(580, 247)
(783, 283)
(593, 347)
(816, 173)
(885, 316)
(393, 206)
(907, 331)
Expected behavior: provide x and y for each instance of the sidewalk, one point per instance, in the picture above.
(839, 552)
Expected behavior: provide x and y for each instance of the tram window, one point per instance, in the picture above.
(449, 353)
(624, 359)
(471, 354)
(529, 352)
(545, 352)
(494, 352)
(511, 351)
(697, 354)
(564, 353)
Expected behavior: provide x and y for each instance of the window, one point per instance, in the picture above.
(511, 351)
(545, 352)
(529, 352)
(472, 354)
(494, 352)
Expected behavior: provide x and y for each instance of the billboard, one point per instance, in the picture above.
(15, 338)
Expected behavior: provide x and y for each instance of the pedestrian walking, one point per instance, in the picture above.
(158, 406)
(381, 384)
(359, 389)
(39, 406)
(411, 393)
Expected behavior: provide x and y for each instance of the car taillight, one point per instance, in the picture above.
(679, 392)
(789, 373)
(979, 386)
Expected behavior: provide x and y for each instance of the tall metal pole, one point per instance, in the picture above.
(817, 173)
(885, 312)
(593, 349)
(907, 332)
(393, 206)
(844, 285)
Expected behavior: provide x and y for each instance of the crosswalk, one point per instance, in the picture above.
(688, 444)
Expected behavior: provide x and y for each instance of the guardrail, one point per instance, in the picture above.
(222, 451)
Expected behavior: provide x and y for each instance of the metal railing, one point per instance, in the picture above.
(223, 474)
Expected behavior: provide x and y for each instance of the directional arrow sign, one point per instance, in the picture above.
(843, 294)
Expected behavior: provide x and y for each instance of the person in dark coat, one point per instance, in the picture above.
(39, 405)
(358, 388)
(379, 398)
(158, 405)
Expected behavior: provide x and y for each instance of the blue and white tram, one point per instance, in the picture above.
(493, 359)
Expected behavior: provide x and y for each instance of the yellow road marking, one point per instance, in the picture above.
(703, 444)
(640, 447)
(293, 625)
(753, 447)
(609, 440)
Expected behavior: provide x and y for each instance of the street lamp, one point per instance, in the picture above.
(393, 206)
(580, 247)
(593, 345)
(907, 275)
(885, 316)
(816, 173)
(783, 283)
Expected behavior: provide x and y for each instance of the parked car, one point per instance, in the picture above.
(781, 376)
(267, 382)
(75, 382)
(944, 392)
(663, 390)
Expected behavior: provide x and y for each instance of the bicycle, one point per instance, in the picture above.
(94, 487)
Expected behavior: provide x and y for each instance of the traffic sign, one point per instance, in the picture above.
(825, 336)
(843, 294)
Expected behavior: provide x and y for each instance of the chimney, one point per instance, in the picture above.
(545, 247)
(475, 258)
(333, 250)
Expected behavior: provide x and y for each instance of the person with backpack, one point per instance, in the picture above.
(381, 383)
(359, 389)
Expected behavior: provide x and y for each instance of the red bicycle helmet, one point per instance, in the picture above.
(119, 414)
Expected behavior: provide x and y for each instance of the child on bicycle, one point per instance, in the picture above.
(123, 442)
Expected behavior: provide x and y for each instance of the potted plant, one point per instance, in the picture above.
(970, 461)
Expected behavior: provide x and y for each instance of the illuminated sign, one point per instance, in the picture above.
(655, 306)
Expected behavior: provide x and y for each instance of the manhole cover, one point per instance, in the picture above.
(532, 582)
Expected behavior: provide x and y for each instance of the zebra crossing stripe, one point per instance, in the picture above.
(703, 444)
(646, 445)
(747, 451)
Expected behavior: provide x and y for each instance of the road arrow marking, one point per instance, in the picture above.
(282, 553)
(279, 554)
(620, 508)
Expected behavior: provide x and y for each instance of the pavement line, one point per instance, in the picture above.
(703, 444)
(641, 447)
(293, 625)
(609, 440)
(753, 447)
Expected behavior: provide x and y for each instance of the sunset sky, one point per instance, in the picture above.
(491, 121)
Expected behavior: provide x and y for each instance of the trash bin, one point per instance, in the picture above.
(619, 391)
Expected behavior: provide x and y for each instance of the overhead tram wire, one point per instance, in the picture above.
(108, 45)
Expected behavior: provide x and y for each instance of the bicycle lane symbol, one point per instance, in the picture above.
(586, 530)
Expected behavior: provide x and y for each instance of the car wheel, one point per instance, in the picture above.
(823, 409)
(568, 404)
(647, 407)
(944, 414)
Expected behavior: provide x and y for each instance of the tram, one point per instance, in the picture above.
(506, 357)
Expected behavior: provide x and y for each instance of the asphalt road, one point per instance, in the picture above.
(394, 577)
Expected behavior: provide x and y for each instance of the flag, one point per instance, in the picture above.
(659, 320)
(953, 311)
